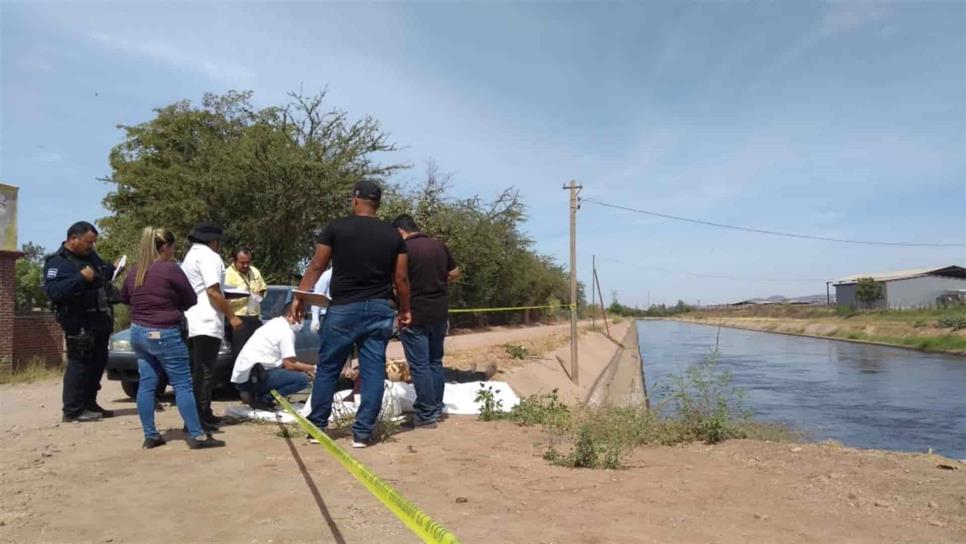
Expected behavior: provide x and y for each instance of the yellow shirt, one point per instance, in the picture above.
(251, 282)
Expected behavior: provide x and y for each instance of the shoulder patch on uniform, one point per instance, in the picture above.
(52, 273)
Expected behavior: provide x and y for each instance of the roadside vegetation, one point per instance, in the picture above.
(35, 370)
(702, 406)
(939, 330)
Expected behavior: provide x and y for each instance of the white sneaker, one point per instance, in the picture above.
(359, 444)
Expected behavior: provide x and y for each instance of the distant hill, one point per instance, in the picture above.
(780, 299)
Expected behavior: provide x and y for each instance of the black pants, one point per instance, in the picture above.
(238, 338)
(203, 351)
(82, 377)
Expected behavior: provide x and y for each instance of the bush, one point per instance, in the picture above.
(491, 407)
(516, 352)
(541, 410)
(954, 322)
(705, 403)
(845, 312)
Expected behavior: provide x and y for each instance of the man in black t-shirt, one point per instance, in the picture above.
(431, 270)
(368, 259)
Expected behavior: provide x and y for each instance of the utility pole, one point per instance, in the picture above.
(574, 191)
(593, 293)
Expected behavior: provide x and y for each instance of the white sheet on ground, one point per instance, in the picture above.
(458, 399)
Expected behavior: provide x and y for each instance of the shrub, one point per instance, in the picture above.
(954, 322)
(491, 408)
(845, 311)
(704, 401)
(516, 352)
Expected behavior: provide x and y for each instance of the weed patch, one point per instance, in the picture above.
(34, 371)
(702, 406)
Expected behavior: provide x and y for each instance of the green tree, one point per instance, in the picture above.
(275, 177)
(272, 177)
(500, 268)
(868, 291)
(29, 270)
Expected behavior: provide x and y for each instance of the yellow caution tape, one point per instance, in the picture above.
(481, 310)
(414, 518)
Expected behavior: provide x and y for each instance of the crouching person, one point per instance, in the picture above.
(268, 362)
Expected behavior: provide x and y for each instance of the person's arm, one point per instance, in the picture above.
(220, 303)
(401, 282)
(126, 288)
(62, 281)
(182, 287)
(212, 274)
(289, 363)
(453, 271)
(261, 287)
(318, 264)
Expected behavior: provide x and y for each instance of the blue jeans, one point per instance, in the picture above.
(163, 351)
(285, 381)
(368, 325)
(423, 345)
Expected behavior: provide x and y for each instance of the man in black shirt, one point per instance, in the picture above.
(431, 270)
(368, 259)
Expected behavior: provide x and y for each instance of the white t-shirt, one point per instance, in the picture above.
(204, 268)
(322, 286)
(272, 342)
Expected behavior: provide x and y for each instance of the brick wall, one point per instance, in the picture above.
(8, 260)
(37, 335)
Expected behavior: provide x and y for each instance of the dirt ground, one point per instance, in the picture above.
(486, 482)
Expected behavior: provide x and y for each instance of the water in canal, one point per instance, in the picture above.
(860, 395)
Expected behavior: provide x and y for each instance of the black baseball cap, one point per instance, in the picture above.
(368, 190)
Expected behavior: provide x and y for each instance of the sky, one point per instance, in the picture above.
(843, 120)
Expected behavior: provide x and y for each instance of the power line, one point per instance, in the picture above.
(715, 276)
(764, 231)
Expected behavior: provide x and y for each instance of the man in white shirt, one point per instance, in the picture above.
(273, 347)
(206, 319)
(321, 287)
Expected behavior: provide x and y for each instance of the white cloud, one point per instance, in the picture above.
(227, 72)
(840, 17)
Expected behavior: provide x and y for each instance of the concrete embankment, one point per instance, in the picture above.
(609, 371)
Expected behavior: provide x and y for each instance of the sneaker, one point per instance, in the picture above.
(359, 443)
(84, 417)
(151, 443)
(414, 424)
(96, 408)
(206, 442)
(311, 439)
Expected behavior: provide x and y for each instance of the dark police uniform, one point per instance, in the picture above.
(84, 312)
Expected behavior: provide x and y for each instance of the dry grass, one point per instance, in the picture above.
(501, 356)
(34, 371)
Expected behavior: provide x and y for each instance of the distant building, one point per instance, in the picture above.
(904, 289)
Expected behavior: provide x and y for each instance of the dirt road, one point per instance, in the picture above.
(486, 482)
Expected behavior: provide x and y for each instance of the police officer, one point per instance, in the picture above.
(78, 283)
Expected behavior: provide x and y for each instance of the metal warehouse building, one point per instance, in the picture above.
(922, 288)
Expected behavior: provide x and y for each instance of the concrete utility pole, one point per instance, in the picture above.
(593, 294)
(574, 191)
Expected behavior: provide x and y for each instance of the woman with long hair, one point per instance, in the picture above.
(159, 293)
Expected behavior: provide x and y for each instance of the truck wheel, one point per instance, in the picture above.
(130, 389)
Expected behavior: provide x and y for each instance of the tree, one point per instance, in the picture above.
(868, 291)
(500, 268)
(29, 271)
(271, 177)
